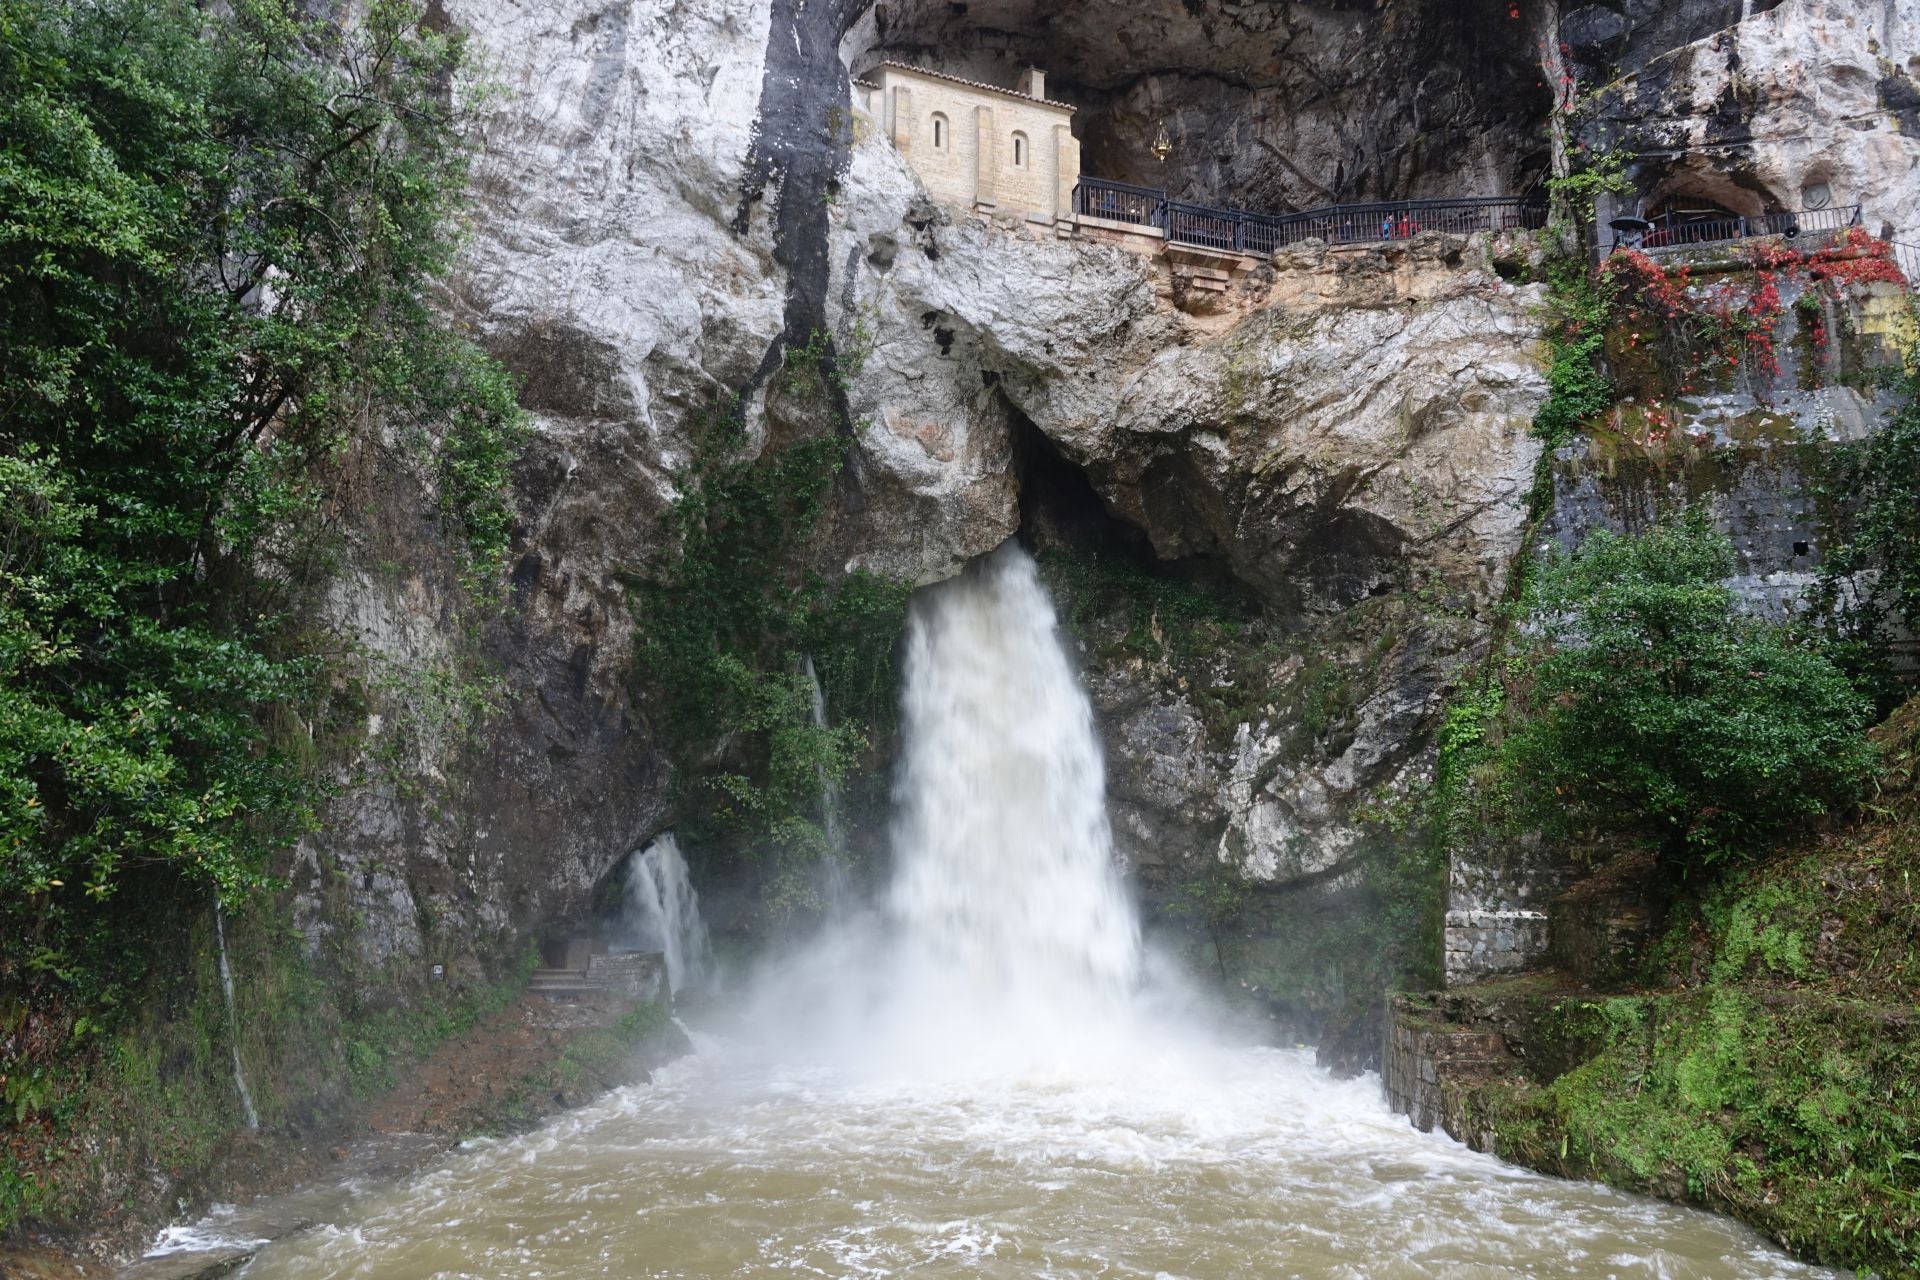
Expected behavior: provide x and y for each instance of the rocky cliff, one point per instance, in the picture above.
(674, 196)
(1279, 516)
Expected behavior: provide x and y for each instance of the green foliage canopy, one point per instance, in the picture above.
(218, 235)
(1644, 702)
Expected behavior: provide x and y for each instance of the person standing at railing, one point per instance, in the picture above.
(1386, 227)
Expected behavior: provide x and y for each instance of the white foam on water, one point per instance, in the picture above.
(212, 1232)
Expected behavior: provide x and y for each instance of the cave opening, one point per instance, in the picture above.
(1062, 514)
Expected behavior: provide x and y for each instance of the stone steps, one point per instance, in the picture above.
(561, 984)
(630, 975)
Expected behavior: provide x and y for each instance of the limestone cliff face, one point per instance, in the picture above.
(672, 194)
(1350, 426)
(1797, 104)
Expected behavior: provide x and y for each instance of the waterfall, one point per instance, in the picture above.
(834, 869)
(663, 912)
(1005, 890)
(233, 1021)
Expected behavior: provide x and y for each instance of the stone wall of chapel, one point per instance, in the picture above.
(975, 162)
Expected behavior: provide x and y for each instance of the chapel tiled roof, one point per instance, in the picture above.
(977, 84)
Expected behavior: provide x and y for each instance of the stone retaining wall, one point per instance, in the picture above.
(637, 975)
(1430, 1063)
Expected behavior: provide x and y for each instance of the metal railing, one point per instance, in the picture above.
(1674, 230)
(1907, 258)
(1240, 231)
(1261, 234)
(1118, 202)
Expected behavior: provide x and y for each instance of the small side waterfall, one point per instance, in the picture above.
(233, 1022)
(833, 871)
(663, 912)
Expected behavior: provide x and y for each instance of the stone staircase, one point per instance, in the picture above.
(562, 984)
(631, 975)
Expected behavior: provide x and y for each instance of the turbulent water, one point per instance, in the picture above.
(985, 1076)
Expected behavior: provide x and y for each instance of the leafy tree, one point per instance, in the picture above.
(1644, 702)
(218, 233)
(1215, 897)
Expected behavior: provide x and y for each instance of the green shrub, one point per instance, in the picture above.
(724, 631)
(1644, 702)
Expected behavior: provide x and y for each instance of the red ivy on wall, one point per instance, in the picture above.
(1723, 326)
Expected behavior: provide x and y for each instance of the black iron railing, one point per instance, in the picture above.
(1907, 258)
(1240, 231)
(1398, 219)
(1679, 230)
(1118, 202)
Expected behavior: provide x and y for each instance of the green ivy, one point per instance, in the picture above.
(724, 633)
(1580, 306)
(1590, 176)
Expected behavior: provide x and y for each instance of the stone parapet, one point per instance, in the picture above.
(1480, 943)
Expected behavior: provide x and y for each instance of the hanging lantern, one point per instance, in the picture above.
(1162, 144)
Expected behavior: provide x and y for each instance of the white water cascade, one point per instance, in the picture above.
(663, 912)
(233, 1022)
(1006, 897)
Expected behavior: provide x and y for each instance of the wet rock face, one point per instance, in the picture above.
(1269, 105)
(1742, 446)
(673, 195)
(1804, 104)
(1612, 36)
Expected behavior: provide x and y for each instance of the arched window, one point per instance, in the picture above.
(939, 132)
(1019, 150)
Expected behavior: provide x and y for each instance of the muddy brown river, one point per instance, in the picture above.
(1200, 1164)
